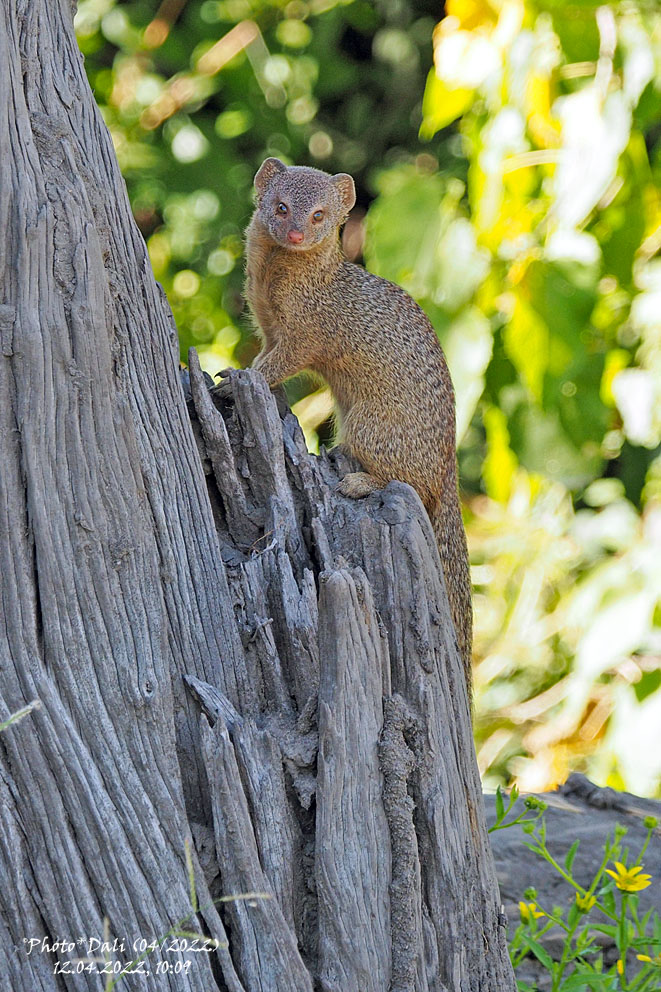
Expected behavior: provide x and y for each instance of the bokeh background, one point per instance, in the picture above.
(507, 155)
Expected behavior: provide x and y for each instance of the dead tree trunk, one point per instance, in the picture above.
(243, 661)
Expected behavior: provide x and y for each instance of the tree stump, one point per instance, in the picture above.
(245, 680)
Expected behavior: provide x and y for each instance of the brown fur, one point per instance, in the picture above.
(373, 345)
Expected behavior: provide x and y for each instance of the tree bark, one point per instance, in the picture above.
(249, 686)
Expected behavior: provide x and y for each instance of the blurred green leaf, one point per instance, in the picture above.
(540, 441)
(649, 683)
(407, 200)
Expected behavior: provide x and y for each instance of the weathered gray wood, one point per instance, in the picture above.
(229, 656)
(381, 629)
(264, 944)
(354, 907)
(111, 580)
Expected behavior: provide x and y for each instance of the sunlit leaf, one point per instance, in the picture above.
(467, 342)
(616, 360)
(649, 683)
(442, 104)
(621, 226)
(594, 135)
(636, 393)
(527, 344)
(500, 462)
(472, 13)
(461, 265)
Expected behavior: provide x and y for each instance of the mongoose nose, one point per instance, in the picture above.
(295, 237)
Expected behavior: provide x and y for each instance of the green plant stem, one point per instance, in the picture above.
(623, 937)
(564, 961)
(544, 853)
(650, 831)
(502, 825)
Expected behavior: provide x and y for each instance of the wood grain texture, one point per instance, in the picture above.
(111, 576)
(228, 655)
(361, 685)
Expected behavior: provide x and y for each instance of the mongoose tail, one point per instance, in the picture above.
(450, 536)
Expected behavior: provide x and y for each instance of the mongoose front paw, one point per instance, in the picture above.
(358, 484)
(224, 387)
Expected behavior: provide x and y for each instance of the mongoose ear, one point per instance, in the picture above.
(269, 168)
(344, 185)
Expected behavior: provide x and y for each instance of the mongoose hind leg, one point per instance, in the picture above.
(355, 485)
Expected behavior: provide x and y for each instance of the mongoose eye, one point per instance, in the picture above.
(317, 216)
(282, 209)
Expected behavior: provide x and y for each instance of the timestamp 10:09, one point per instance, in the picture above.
(80, 966)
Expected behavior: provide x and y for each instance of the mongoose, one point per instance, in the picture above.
(372, 344)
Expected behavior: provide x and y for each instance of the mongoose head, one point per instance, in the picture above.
(302, 207)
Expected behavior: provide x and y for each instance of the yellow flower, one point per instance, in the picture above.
(530, 911)
(585, 903)
(656, 961)
(629, 879)
(620, 967)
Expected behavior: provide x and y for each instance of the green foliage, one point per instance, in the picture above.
(608, 906)
(508, 162)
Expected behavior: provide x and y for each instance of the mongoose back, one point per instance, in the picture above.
(372, 344)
